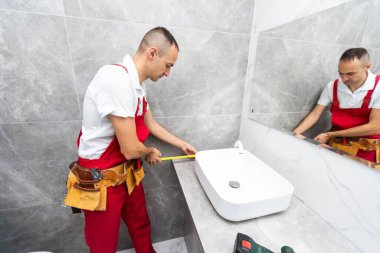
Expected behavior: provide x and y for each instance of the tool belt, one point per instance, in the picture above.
(87, 188)
(352, 145)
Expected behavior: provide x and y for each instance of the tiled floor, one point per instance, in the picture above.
(176, 245)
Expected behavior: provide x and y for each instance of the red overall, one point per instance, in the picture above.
(352, 117)
(102, 227)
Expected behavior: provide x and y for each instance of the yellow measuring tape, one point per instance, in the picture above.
(177, 157)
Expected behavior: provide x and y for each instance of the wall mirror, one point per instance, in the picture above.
(288, 77)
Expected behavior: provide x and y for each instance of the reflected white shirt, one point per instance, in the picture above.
(347, 99)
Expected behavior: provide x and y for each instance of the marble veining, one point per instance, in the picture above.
(298, 226)
(34, 159)
(95, 43)
(176, 245)
(224, 130)
(342, 191)
(334, 25)
(38, 6)
(371, 37)
(288, 121)
(203, 80)
(281, 80)
(273, 13)
(290, 64)
(41, 228)
(166, 212)
(234, 17)
(36, 79)
(50, 51)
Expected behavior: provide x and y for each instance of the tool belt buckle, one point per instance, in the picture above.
(96, 174)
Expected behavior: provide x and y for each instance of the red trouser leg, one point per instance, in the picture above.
(135, 215)
(102, 227)
(367, 155)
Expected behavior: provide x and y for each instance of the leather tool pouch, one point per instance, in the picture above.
(85, 192)
(82, 191)
(348, 148)
(353, 145)
(134, 176)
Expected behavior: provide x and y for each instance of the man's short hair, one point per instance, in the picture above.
(159, 37)
(355, 53)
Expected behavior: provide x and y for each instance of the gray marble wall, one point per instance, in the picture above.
(49, 52)
(296, 60)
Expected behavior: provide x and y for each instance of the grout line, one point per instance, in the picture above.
(127, 22)
(277, 112)
(315, 42)
(39, 122)
(80, 120)
(72, 67)
(328, 223)
(34, 12)
(366, 24)
(168, 26)
(27, 207)
(305, 14)
(193, 116)
(161, 186)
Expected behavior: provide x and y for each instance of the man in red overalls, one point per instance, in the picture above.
(116, 122)
(355, 106)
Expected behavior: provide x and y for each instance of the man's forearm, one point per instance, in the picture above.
(363, 130)
(306, 124)
(161, 133)
(310, 119)
(136, 152)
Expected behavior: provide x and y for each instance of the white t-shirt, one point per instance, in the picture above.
(111, 91)
(347, 99)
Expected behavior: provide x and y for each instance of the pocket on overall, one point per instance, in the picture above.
(81, 197)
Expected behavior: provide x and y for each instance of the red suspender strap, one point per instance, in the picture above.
(78, 139)
(138, 107)
(335, 102)
(120, 66)
(367, 97)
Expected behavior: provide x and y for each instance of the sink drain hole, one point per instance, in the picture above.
(234, 184)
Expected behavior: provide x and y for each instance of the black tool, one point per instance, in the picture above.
(245, 244)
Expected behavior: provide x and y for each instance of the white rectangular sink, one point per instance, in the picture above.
(241, 186)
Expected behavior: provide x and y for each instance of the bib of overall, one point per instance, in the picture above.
(102, 227)
(344, 118)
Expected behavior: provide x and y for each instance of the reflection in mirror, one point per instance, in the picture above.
(354, 102)
(335, 150)
(289, 92)
(294, 61)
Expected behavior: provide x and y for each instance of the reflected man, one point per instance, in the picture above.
(355, 108)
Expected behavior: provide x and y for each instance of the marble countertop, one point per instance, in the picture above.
(298, 226)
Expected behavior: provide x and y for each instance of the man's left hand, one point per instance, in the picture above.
(188, 149)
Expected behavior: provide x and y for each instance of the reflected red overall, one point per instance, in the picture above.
(102, 227)
(352, 117)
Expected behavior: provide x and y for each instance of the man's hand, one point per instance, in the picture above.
(323, 137)
(188, 149)
(153, 157)
(300, 136)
